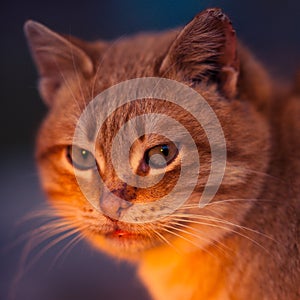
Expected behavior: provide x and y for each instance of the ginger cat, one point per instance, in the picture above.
(244, 244)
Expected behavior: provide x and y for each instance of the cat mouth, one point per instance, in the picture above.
(120, 233)
(126, 243)
(123, 234)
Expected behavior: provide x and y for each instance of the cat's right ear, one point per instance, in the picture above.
(55, 58)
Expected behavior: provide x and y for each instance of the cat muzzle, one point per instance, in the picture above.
(112, 205)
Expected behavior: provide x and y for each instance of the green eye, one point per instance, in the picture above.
(80, 158)
(161, 156)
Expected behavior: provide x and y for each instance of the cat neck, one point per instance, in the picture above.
(184, 272)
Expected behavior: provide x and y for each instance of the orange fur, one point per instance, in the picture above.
(245, 243)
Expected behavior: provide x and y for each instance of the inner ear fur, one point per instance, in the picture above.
(55, 57)
(205, 50)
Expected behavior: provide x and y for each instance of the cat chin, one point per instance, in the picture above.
(134, 247)
(127, 246)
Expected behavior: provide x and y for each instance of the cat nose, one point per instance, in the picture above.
(111, 203)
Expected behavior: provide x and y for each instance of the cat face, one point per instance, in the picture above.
(205, 56)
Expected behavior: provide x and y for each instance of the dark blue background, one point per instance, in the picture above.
(270, 28)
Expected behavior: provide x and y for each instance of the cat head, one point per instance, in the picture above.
(204, 56)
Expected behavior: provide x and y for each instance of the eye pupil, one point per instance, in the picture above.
(160, 155)
(84, 153)
(164, 150)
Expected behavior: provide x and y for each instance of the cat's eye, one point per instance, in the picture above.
(80, 158)
(160, 156)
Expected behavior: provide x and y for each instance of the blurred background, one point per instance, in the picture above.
(270, 28)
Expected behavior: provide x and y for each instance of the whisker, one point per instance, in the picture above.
(218, 220)
(40, 238)
(166, 72)
(258, 173)
(50, 245)
(221, 246)
(165, 240)
(77, 76)
(68, 247)
(113, 44)
(67, 83)
(37, 232)
(43, 212)
(256, 200)
(186, 239)
(41, 235)
(225, 228)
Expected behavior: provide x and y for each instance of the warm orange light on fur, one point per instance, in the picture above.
(245, 243)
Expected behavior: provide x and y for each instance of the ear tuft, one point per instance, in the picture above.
(55, 58)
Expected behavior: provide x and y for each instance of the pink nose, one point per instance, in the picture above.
(112, 203)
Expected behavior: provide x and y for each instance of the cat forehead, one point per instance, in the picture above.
(132, 57)
(133, 120)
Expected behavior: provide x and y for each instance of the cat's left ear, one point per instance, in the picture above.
(205, 51)
(56, 59)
